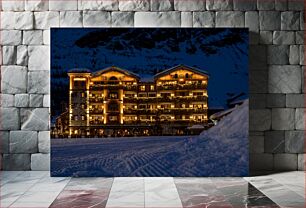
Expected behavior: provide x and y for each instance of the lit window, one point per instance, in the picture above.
(152, 87)
(83, 118)
(142, 88)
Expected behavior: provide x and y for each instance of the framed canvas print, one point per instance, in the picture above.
(149, 102)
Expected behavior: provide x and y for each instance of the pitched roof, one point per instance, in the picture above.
(183, 66)
(112, 68)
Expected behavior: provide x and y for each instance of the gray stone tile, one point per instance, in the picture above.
(283, 118)
(274, 141)
(295, 141)
(16, 161)
(285, 162)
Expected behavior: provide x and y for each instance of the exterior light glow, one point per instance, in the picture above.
(79, 79)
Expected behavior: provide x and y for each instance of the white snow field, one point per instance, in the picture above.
(220, 151)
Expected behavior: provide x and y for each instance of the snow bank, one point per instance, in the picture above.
(235, 125)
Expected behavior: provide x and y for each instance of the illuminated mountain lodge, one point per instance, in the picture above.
(116, 102)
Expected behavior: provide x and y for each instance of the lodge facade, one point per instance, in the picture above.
(116, 102)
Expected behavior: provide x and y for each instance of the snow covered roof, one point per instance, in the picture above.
(221, 113)
(79, 70)
(184, 66)
(111, 68)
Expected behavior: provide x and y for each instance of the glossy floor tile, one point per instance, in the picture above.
(38, 190)
(84, 192)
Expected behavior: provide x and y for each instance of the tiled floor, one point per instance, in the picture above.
(38, 189)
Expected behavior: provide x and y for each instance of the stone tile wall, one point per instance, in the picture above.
(277, 126)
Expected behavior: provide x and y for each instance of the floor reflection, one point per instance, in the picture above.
(220, 192)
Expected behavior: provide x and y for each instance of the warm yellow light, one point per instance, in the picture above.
(158, 106)
(79, 79)
(172, 117)
(135, 117)
(134, 83)
(172, 95)
(205, 106)
(172, 106)
(205, 117)
(181, 80)
(135, 106)
(191, 117)
(135, 95)
(190, 94)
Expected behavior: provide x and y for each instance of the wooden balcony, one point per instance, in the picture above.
(173, 111)
(182, 111)
(96, 100)
(173, 99)
(182, 87)
(99, 87)
(96, 111)
(130, 87)
(98, 122)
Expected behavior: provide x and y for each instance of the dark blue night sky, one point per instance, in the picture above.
(221, 52)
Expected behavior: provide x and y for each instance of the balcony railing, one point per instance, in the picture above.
(182, 111)
(96, 122)
(108, 87)
(130, 87)
(130, 100)
(96, 100)
(164, 111)
(182, 87)
(96, 111)
(176, 99)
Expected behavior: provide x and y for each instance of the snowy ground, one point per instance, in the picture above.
(219, 151)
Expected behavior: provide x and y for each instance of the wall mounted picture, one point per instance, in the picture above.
(149, 102)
